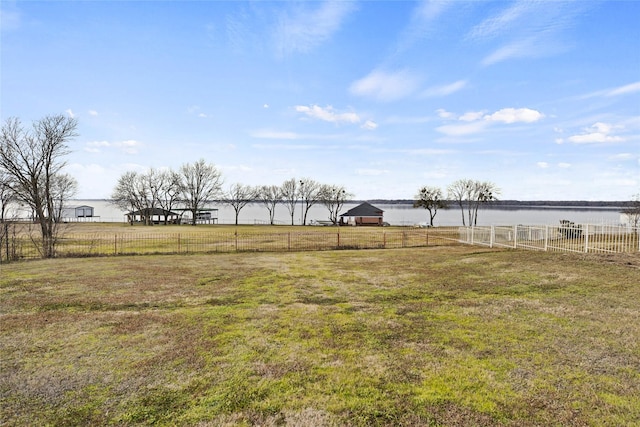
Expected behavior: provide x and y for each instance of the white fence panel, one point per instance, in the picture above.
(568, 237)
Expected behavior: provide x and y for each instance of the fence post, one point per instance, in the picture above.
(384, 239)
(586, 238)
(515, 237)
(178, 242)
(427, 237)
(492, 236)
(338, 239)
(546, 238)
(115, 244)
(289, 241)
(6, 239)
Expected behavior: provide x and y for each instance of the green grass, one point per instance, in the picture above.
(429, 336)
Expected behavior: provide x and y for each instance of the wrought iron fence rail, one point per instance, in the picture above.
(104, 244)
(577, 238)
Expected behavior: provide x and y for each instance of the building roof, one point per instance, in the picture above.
(77, 206)
(364, 209)
(152, 211)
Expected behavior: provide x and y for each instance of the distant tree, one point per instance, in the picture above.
(270, 196)
(168, 184)
(289, 191)
(484, 192)
(310, 194)
(239, 196)
(432, 199)
(199, 182)
(633, 211)
(129, 194)
(460, 191)
(63, 188)
(6, 194)
(470, 194)
(334, 198)
(33, 159)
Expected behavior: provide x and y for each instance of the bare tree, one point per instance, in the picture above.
(470, 194)
(270, 196)
(127, 194)
(460, 191)
(238, 196)
(200, 182)
(309, 192)
(168, 184)
(6, 194)
(33, 158)
(432, 199)
(334, 198)
(633, 211)
(290, 196)
(63, 188)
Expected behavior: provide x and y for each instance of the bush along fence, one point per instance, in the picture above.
(85, 245)
(567, 237)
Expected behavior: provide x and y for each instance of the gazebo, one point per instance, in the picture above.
(363, 214)
(153, 216)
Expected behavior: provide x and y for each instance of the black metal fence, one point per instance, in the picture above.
(15, 247)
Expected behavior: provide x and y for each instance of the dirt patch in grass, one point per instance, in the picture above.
(430, 336)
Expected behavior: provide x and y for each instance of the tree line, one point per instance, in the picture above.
(194, 185)
(468, 194)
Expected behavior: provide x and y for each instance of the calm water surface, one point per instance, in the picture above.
(394, 214)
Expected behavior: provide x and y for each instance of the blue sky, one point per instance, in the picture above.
(541, 98)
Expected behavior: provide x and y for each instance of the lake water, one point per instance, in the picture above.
(394, 214)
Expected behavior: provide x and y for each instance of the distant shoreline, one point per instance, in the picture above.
(498, 204)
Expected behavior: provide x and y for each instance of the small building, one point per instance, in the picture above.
(363, 214)
(77, 213)
(153, 216)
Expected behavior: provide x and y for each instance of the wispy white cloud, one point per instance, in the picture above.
(478, 121)
(386, 86)
(503, 21)
(623, 157)
(444, 114)
(597, 133)
(93, 113)
(302, 29)
(471, 116)
(369, 125)
(616, 91)
(70, 113)
(542, 165)
(445, 90)
(515, 115)
(624, 90)
(527, 29)
(196, 111)
(421, 22)
(327, 114)
(462, 129)
(127, 146)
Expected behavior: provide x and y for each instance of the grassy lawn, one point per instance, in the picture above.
(430, 336)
